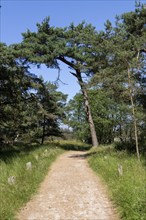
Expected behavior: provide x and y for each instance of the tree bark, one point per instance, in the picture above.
(43, 134)
(85, 95)
(87, 109)
(133, 113)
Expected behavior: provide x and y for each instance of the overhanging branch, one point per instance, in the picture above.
(61, 58)
(74, 74)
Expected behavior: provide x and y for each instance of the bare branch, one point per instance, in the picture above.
(58, 78)
(74, 74)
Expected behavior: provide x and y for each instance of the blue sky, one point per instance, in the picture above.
(19, 15)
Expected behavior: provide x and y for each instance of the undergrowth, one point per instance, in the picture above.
(127, 190)
(13, 163)
(72, 145)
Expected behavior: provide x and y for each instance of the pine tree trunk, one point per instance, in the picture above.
(87, 110)
(43, 135)
(133, 113)
(86, 101)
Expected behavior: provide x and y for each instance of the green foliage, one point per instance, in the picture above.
(73, 45)
(123, 51)
(51, 103)
(15, 85)
(129, 146)
(32, 109)
(105, 58)
(13, 163)
(104, 115)
(25, 101)
(128, 190)
(49, 45)
(76, 118)
(107, 115)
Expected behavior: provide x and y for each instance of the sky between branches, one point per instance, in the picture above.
(19, 15)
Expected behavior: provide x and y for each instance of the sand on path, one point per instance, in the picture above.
(70, 191)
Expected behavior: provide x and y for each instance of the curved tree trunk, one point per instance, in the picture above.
(85, 95)
(87, 109)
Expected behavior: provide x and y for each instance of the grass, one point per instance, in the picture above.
(72, 145)
(128, 191)
(13, 163)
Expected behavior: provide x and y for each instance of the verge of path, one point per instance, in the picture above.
(70, 191)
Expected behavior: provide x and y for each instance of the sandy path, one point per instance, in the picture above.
(70, 191)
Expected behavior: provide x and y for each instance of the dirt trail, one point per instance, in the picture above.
(70, 191)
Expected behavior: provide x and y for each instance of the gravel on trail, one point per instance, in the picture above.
(70, 191)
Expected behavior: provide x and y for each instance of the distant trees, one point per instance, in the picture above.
(76, 118)
(105, 113)
(51, 103)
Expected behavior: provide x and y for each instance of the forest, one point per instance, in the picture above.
(106, 118)
(110, 68)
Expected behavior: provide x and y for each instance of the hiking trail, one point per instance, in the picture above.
(70, 191)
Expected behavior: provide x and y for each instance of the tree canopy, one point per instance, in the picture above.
(109, 66)
(25, 101)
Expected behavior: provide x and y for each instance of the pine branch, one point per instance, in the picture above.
(74, 74)
(61, 58)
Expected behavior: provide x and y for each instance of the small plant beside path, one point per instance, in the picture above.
(128, 189)
(17, 181)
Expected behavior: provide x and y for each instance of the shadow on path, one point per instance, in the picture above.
(82, 156)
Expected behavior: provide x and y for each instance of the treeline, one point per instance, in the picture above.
(109, 65)
(31, 109)
(117, 88)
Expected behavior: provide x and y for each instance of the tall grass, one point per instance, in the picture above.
(128, 191)
(13, 196)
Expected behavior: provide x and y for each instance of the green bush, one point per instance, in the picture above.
(130, 146)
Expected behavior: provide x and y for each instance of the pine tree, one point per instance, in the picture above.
(72, 46)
